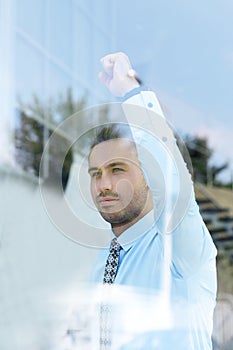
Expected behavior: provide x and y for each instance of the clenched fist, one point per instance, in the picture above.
(117, 74)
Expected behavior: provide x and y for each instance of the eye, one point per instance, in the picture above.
(95, 174)
(117, 170)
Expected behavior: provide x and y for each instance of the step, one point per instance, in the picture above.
(215, 210)
(212, 215)
(226, 219)
(223, 243)
(216, 229)
(201, 201)
(208, 221)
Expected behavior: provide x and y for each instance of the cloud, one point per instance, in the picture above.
(190, 120)
(220, 140)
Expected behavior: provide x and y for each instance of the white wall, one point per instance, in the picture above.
(37, 266)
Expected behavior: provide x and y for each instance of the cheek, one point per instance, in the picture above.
(125, 190)
(132, 187)
(93, 189)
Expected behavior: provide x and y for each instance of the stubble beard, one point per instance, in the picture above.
(130, 212)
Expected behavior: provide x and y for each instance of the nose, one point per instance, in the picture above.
(104, 183)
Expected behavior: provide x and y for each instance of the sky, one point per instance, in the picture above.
(183, 50)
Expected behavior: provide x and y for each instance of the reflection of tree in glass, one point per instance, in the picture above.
(28, 143)
(35, 123)
(200, 154)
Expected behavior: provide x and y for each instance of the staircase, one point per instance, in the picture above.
(217, 212)
(218, 219)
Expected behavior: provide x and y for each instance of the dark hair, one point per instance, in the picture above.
(110, 132)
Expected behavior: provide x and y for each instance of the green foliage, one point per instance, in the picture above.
(200, 154)
(34, 125)
(28, 143)
(55, 110)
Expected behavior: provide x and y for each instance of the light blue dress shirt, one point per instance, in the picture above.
(180, 264)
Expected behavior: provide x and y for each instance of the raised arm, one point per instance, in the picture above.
(175, 209)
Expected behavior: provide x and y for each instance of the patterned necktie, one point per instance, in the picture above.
(112, 262)
(106, 308)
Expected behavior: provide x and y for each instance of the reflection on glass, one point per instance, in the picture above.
(30, 138)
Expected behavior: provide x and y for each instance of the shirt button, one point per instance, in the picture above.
(150, 105)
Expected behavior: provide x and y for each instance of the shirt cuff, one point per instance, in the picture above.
(133, 92)
(145, 98)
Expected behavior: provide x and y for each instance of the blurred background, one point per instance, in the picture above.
(49, 64)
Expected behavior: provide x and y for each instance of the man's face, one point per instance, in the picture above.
(118, 187)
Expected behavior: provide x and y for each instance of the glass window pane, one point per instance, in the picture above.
(29, 18)
(60, 31)
(29, 70)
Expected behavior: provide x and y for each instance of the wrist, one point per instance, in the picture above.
(129, 85)
(134, 92)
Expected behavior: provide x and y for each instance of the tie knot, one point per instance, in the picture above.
(115, 245)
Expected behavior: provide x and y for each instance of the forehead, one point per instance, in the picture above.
(116, 149)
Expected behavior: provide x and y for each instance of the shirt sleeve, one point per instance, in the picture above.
(175, 210)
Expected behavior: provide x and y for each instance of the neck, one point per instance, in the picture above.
(118, 229)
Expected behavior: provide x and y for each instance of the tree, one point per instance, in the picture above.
(35, 123)
(200, 154)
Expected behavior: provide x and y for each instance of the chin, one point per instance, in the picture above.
(119, 218)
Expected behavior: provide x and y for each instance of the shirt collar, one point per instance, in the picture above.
(134, 232)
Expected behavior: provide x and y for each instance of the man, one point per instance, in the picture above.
(141, 186)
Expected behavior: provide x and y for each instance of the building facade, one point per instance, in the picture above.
(49, 66)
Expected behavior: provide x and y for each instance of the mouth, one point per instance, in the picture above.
(105, 201)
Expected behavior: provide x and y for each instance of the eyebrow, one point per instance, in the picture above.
(111, 165)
